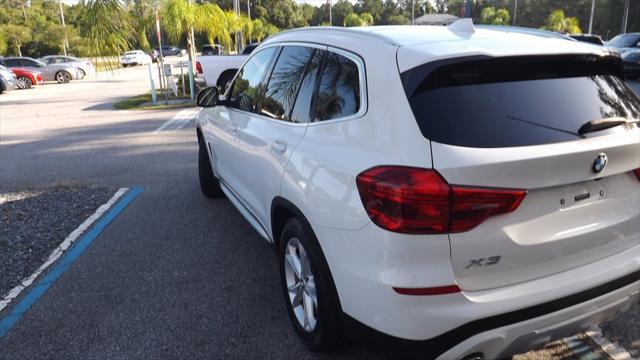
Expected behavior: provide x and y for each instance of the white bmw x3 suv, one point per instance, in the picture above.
(445, 192)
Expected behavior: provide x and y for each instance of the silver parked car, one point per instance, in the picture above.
(85, 67)
(62, 73)
(8, 80)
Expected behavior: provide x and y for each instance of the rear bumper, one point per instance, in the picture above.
(366, 265)
(512, 332)
(201, 83)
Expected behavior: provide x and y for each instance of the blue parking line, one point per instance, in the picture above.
(67, 260)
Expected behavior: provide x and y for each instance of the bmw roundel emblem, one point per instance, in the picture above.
(599, 163)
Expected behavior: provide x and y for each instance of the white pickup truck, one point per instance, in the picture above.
(218, 70)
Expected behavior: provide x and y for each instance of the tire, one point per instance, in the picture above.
(24, 82)
(209, 184)
(81, 74)
(63, 77)
(326, 333)
(125, 65)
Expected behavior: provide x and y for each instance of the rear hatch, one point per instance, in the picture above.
(565, 129)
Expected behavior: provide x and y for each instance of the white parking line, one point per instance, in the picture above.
(614, 350)
(57, 252)
(178, 121)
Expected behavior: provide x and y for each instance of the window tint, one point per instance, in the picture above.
(284, 82)
(12, 62)
(246, 86)
(29, 62)
(523, 101)
(339, 90)
(302, 109)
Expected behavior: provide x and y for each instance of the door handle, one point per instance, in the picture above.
(279, 146)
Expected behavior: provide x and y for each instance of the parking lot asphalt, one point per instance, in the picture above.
(176, 275)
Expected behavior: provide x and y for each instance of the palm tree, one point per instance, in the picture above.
(211, 20)
(107, 26)
(558, 22)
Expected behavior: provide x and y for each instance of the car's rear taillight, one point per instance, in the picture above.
(637, 172)
(420, 201)
(198, 67)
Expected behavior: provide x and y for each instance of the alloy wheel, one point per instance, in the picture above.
(24, 82)
(301, 285)
(63, 77)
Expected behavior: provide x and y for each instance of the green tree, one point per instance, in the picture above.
(373, 7)
(557, 21)
(16, 35)
(366, 18)
(352, 20)
(399, 19)
(490, 15)
(106, 25)
(212, 21)
(3, 43)
(341, 9)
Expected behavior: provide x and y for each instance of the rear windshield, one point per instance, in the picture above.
(519, 101)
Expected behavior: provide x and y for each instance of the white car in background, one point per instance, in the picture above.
(135, 57)
(438, 192)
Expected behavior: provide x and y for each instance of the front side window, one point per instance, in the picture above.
(246, 87)
(339, 90)
(284, 83)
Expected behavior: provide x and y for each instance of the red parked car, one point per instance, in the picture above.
(27, 78)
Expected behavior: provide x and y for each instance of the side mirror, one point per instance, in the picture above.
(208, 97)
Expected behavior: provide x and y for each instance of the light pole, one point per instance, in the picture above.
(330, 17)
(515, 12)
(593, 7)
(249, 16)
(625, 16)
(64, 27)
(413, 17)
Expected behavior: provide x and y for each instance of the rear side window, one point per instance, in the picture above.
(246, 87)
(12, 62)
(520, 101)
(284, 83)
(302, 109)
(339, 89)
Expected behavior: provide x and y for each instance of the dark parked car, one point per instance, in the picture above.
(631, 61)
(169, 50)
(214, 49)
(590, 38)
(249, 48)
(624, 42)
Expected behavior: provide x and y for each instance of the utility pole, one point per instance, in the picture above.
(64, 27)
(249, 15)
(192, 60)
(330, 18)
(236, 11)
(593, 7)
(468, 9)
(515, 13)
(625, 16)
(413, 16)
